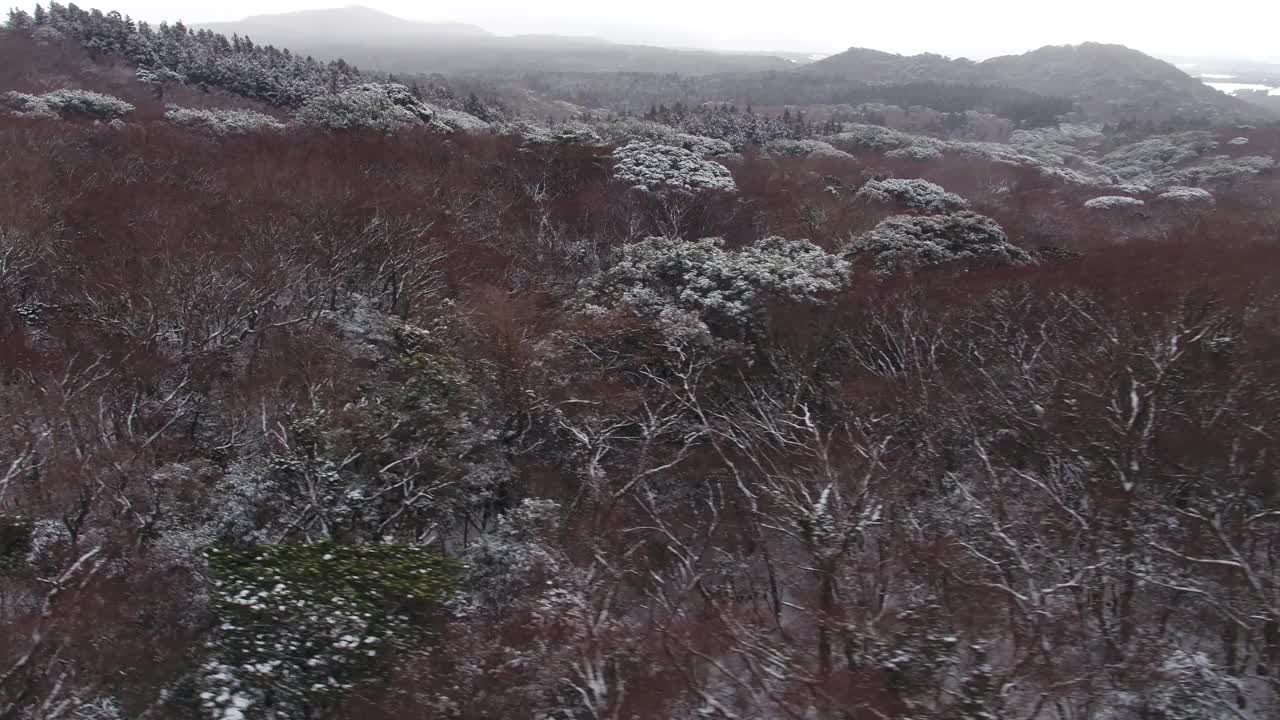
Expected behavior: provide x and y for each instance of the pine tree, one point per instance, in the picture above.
(475, 107)
(19, 20)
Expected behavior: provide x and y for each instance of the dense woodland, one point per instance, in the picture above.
(637, 92)
(418, 422)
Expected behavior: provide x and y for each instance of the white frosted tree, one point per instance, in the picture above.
(905, 242)
(1183, 194)
(657, 168)
(783, 147)
(1113, 202)
(623, 131)
(373, 106)
(698, 289)
(915, 193)
(222, 122)
(68, 103)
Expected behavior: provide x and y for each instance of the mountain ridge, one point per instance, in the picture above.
(1107, 83)
(1105, 79)
(344, 22)
(374, 38)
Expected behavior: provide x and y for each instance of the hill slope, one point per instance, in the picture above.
(1113, 79)
(1108, 82)
(877, 66)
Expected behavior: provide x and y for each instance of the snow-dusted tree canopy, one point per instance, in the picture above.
(857, 136)
(1186, 194)
(1046, 152)
(656, 168)
(574, 132)
(1154, 154)
(68, 103)
(1181, 159)
(804, 148)
(1113, 202)
(86, 103)
(457, 119)
(528, 132)
(1194, 688)
(174, 51)
(914, 193)
(1218, 169)
(1072, 154)
(372, 106)
(916, 152)
(25, 105)
(505, 565)
(906, 242)
(1129, 189)
(159, 76)
(571, 132)
(623, 131)
(223, 122)
(737, 128)
(697, 289)
(1063, 153)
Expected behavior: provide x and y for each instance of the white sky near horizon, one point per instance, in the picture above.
(1248, 29)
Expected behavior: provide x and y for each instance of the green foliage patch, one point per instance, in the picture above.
(298, 624)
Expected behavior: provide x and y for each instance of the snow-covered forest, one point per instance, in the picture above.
(329, 394)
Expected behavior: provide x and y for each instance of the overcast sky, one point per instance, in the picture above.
(977, 29)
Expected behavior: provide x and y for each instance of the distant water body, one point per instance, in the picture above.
(1230, 88)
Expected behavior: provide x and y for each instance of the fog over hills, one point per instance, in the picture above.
(352, 23)
(1103, 79)
(369, 37)
(1107, 82)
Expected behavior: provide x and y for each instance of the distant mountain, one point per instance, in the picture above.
(379, 41)
(354, 23)
(521, 55)
(1107, 82)
(1113, 79)
(876, 66)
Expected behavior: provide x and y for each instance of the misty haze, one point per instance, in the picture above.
(672, 361)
